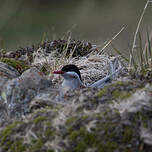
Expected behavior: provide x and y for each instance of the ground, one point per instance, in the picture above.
(114, 118)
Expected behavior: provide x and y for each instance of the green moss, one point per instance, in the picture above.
(115, 90)
(7, 132)
(83, 139)
(103, 91)
(5, 146)
(145, 118)
(3, 51)
(18, 146)
(84, 117)
(71, 120)
(120, 83)
(107, 147)
(37, 145)
(81, 147)
(121, 94)
(5, 140)
(73, 135)
(90, 138)
(48, 132)
(128, 133)
(39, 119)
(49, 150)
(18, 65)
(116, 93)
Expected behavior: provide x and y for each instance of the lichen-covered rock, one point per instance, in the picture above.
(17, 93)
(19, 65)
(91, 120)
(8, 71)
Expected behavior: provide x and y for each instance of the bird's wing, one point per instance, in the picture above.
(114, 69)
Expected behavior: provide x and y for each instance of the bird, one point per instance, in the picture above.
(72, 76)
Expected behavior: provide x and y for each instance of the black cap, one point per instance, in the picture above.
(71, 68)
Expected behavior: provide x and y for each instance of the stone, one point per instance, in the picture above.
(8, 71)
(18, 93)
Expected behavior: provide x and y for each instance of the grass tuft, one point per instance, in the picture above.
(140, 58)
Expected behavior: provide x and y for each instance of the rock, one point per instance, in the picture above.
(8, 71)
(17, 93)
(84, 122)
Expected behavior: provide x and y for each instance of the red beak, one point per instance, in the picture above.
(58, 72)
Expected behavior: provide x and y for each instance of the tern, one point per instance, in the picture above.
(72, 77)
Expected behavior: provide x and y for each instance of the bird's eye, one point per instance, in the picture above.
(73, 76)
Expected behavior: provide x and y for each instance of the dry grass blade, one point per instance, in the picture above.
(136, 32)
(142, 61)
(71, 53)
(101, 51)
(149, 49)
(133, 60)
(44, 37)
(146, 58)
(65, 49)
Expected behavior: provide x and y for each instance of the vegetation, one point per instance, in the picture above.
(140, 60)
(98, 120)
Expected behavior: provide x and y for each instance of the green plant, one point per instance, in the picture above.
(140, 58)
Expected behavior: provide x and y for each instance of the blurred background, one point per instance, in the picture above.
(27, 22)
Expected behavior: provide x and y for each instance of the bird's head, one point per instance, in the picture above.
(71, 75)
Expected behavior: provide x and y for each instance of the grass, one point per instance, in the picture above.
(140, 58)
(109, 42)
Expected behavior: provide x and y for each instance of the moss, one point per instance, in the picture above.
(120, 83)
(6, 145)
(128, 133)
(103, 91)
(121, 94)
(71, 120)
(18, 146)
(82, 139)
(48, 123)
(39, 111)
(117, 85)
(73, 135)
(5, 140)
(39, 119)
(48, 132)
(116, 91)
(84, 117)
(145, 118)
(7, 132)
(36, 146)
(81, 147)
(107, 147)
(49, 150)
(3, 51)
(90, 138)
(20, 66)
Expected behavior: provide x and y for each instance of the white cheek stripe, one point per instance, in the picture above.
(70, 82)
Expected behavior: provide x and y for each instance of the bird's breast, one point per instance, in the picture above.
(71, 84)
